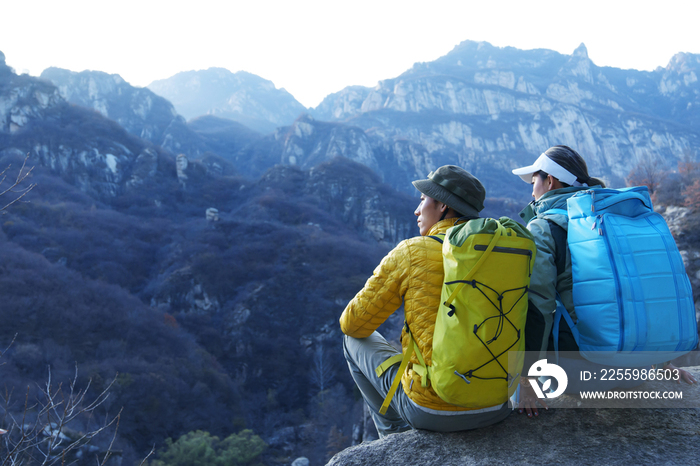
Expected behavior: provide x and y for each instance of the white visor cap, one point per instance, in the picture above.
(548, 166)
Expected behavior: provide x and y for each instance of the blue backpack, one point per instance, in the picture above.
(631, 293)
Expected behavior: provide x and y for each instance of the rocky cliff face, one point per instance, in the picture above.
(309, 142)
(362, 201)
(23, 100)
(243, 97)
(138, 110)
(679, 85)
(491, 109)
(83, 147)
(684, 223)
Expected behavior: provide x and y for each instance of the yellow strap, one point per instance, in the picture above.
(417, 350)
(497, 234)
(397, 379)
(422, 369)
(387, 364)
(424, 372)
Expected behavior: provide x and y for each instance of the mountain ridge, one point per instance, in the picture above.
(241, 96)
(487, 108)
(480, 102)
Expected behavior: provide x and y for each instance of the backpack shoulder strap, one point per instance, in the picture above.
(404, 360)
(560, 313)
(559, 236)
(437, 238)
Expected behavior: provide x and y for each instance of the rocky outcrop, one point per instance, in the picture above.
(83, 147)
(145, 167)
(679, 86)
(684, 224)
(309, 142)
(362, 201)
(24, 99)
(566, 436)
(243, 97)
(183, 293)
(342, 105)
(354, 194)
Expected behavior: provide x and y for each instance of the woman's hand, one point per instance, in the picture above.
(529, 400)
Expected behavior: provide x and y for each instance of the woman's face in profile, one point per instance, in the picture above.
(538, 186)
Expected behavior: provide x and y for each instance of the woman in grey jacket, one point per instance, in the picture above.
(555, 176)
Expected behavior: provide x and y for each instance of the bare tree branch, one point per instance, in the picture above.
(43, 435)
(150, 453)
(15, 188)
(322, 372)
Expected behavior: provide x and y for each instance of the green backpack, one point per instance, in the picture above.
(487, 265)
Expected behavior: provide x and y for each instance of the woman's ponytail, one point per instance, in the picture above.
(571, 161)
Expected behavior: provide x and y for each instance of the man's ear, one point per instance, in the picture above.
(444, 208)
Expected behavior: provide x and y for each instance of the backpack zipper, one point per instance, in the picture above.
(601, 232)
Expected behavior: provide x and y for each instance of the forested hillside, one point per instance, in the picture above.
(207, 325)
(216, 322)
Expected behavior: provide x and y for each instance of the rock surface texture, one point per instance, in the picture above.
(559, 436)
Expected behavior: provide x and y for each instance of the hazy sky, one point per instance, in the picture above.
(313, 48)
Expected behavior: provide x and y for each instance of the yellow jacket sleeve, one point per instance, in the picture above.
(381, 296)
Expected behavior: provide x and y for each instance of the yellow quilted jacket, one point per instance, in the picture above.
(411, 272)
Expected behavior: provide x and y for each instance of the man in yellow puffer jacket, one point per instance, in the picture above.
(412, 273)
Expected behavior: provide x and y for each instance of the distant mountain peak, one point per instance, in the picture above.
(61, 74)
(684, 62)
(472, 45)
(581, 51)
(242, 96)
(579, 65)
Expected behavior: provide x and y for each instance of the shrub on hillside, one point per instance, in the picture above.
(199, 448)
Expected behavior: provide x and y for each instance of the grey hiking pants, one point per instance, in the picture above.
(364, 355)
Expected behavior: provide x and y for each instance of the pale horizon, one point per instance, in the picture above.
(313, 48)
